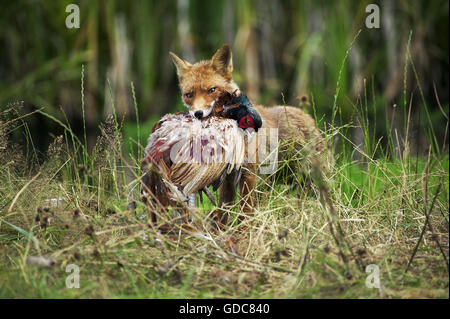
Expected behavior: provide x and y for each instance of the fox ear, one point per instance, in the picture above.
(181, 65)
(222, 60)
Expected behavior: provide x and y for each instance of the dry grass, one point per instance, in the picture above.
(310, 241)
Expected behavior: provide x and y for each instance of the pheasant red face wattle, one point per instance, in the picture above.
(246, 122)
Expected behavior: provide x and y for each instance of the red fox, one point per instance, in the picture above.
(201, 84)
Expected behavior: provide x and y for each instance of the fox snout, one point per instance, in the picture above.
(201, 113)
(201, 107)
(198, 114)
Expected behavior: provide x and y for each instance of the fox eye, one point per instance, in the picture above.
(189, 95)
(212, 90)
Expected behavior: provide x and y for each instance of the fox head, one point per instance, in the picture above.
(202, 83)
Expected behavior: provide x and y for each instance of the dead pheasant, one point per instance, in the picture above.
(185, 155)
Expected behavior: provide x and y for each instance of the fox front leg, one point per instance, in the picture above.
(226, 199)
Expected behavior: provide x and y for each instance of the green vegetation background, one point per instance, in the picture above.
(283, 50)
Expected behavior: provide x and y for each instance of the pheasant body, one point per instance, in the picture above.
(192, 154)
